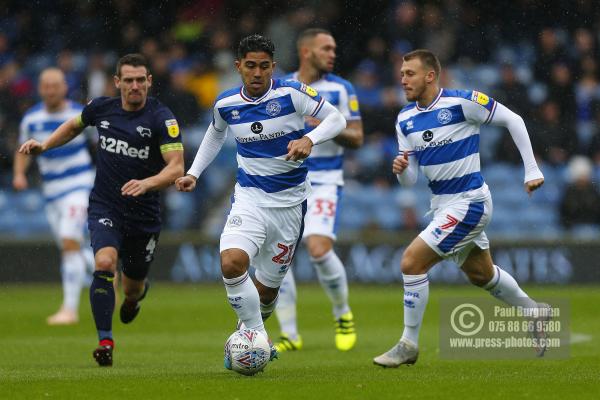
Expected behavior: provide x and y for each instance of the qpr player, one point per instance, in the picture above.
(439, 133)
(139, 153)
(317, 54)
(265, 222)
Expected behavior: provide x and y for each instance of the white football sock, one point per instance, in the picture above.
(73, 276)
(416, 295)
(243, 298)
(332, 276)
(504, 287)
(286, 307)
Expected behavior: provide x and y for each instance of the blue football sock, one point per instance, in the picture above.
(102, 299)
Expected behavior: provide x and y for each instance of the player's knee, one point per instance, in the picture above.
(232, 265)
(70, 245)
(106, 263)
(318, 246)
(409, 263)
(478, 278)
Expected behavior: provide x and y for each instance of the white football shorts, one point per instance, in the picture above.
(321, 216)
(458, 227)
(67, 216)
(274, 233)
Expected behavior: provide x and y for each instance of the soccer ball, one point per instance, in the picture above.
(248, 351)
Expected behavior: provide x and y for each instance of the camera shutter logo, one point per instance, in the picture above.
(467, 319)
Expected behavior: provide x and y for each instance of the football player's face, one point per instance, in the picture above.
(415, 78)
(256, 70)
(133, 83)
(52, 88)
(323, 52)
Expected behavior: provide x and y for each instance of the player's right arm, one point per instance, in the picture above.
(209, 148)
(405, 165)
(63, 134)
(21, 161)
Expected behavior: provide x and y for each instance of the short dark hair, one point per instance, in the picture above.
(428, 59)
(310, 33)
(133, 59)
(255, 43)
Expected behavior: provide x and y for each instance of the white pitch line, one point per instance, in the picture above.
(580, 338)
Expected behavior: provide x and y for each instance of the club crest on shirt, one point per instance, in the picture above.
(444, 116)
(144, 132)
(273, 108)
(235, 220)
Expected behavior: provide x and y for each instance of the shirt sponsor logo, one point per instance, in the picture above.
(434, 144)
(256, 127)
(172, 127)
(260, 136)
(427, 136)
(116, 146)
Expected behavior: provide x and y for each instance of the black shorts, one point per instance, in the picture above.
(135, 246)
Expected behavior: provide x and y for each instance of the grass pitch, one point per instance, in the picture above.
(174, 350)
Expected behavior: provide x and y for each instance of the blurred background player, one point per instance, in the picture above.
(266, 220)
(139, 152)
(439, 133)
(67, 175)
(317, 52)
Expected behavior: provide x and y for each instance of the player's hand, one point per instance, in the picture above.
(19, 182)
(32, 147)
(311, 121)
(135, 188)
(299, 149)
(532, 185)
(186, 183)
(400, 163)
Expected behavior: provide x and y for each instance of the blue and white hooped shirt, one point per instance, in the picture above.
(325, 163)
(444, 139)
(64, 169)
(262, 128)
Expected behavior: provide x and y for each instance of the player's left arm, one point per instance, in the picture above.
(171, 149)
(353, 136)
(503, 116)
(167, 176)
(332, 123)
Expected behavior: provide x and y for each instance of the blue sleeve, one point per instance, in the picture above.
(88, 114)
